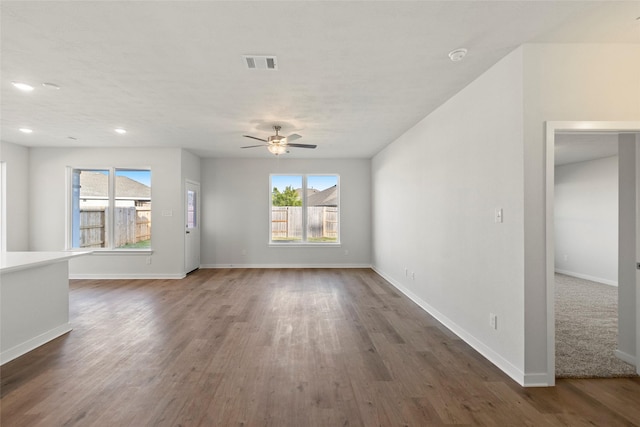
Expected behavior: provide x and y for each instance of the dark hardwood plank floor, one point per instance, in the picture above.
(278, 347)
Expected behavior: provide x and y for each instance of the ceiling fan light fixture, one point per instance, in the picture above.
(277, 139)
(277, 149)
(279, 144)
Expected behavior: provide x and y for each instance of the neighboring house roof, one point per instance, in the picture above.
(310, 191)
(95, 184)
(327, 197)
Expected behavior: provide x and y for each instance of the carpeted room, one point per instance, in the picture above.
(590, 185)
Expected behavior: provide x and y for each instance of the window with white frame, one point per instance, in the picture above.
(110, 209)
(305, 209)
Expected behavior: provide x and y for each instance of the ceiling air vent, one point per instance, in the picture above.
(260, 62)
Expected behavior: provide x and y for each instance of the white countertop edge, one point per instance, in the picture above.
(14, 261)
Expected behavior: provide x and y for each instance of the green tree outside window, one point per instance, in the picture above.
(288, 197)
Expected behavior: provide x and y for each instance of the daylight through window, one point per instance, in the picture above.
(110, 208)
(305, 209)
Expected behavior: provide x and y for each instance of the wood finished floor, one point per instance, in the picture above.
(277, 347)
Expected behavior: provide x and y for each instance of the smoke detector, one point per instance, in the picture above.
(260, 62)
(458, 54)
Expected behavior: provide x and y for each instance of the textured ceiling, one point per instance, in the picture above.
(352, 77)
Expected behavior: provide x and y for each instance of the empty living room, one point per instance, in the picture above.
(310, 213)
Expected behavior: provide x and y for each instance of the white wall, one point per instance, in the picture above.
(48, 186)
(436, 189)
(586, 220)
(16, 158)
(235, 213)
(190, 166)
(564, 82)
(482, 149)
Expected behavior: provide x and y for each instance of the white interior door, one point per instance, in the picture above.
(192, 226)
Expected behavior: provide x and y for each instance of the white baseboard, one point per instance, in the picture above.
(503, 364)
(126, 276)
(33, 343)
(587, 277)
(285, 266)
(182, 276)
(626, 357)
(537, 380)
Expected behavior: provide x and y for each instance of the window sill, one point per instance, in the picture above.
(118, 251)
(303, 244)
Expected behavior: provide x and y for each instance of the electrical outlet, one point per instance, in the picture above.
(406, 272)
(413, 275)
(493, 321)
(148, 260)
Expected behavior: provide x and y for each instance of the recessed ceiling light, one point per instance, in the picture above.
(25, 130)
(50, 85)
(120, 131)
(458, 54)
(22, 86)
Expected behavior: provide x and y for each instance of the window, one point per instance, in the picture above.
(192, 209)
(305, 209)
(110, 208)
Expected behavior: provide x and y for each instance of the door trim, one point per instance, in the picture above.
(551, 128)
(184, 221)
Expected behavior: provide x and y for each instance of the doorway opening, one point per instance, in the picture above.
(582, 244)
(192, 226)
(586, 243)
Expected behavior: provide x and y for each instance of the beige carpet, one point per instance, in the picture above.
(586, 330)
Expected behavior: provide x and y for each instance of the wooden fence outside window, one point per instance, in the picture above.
(132, 225)
(322, 223)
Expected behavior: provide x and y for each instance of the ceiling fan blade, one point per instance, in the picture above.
(253, 146)
(302, 145)
(293, 137)
(253, 137)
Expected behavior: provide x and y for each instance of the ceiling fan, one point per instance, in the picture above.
(278, 144)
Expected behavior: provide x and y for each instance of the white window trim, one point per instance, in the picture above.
(111, 193)
(304, 242)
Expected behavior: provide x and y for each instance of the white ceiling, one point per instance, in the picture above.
(352, 77)
(577, 147)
